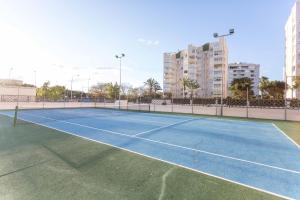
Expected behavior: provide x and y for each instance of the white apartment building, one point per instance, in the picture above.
(292, 50)
(201, 63)
(242, 70)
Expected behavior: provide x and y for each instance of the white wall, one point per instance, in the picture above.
(22, 91)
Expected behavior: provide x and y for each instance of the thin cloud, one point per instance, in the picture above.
(106, 68)
(148, 42)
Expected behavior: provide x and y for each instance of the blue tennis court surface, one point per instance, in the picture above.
(255, 154)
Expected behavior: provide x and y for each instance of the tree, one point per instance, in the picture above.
(296, 85)
(125, 88)
(185, 82)
(192, 85)
(112, 90)
(57, 92)
(263, 86)
(272, 89)
(98, 90)
(51, 93)
(239, 87)
(276, 89)
(153, 86)
(133, 93)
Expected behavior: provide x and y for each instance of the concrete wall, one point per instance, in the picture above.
(13, 93)
(259, 113)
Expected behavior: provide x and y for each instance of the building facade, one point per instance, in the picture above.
(206, 64)
(242, 70)
(292, 50)
(15, 90)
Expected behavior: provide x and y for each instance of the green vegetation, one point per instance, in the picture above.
(193, 85)
(239, 87)
(205, 47)
(109, 90)
(153, 86)
(190, 84)
(185, 82)
(51, 93)
(40, 163)
(272, 89)
(295, 85)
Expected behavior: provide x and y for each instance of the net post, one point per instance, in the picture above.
(16, 116)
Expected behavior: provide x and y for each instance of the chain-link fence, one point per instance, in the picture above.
(253, 108)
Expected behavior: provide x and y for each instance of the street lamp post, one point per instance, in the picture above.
(216, 35)
(72, 85)
(120, 59)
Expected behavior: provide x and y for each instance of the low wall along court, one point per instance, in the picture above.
(250, 112)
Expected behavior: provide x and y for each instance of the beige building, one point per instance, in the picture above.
(243, 70)
(14, 90)
(201, 63)
(292, 50)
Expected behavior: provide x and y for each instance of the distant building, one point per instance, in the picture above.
(201, 63)
(292, 50)
(15, 90)
(10, 82)
(242, 70)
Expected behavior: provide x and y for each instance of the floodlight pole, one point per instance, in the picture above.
(120, 59)
(216, 35)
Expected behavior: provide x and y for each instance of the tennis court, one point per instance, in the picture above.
(255, 154)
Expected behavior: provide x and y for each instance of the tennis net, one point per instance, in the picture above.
(98, 111)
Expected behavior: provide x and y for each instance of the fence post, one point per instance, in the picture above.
(172, 103)
(285, 111)
(139, 102)
(247, 114)
(16, 116)
(192, 105)
(216, 105)
(247, 109)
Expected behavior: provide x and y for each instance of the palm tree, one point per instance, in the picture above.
(185, 83)
(239, 87)
(152, 85)
(263, 85)
(296, 85)
(192, 85)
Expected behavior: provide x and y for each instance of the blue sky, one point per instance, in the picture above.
(60, 39)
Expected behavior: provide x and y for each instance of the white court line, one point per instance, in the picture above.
(151, 157)
(236, 120)
(163, 127)
(174, 145)
(281, 131)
